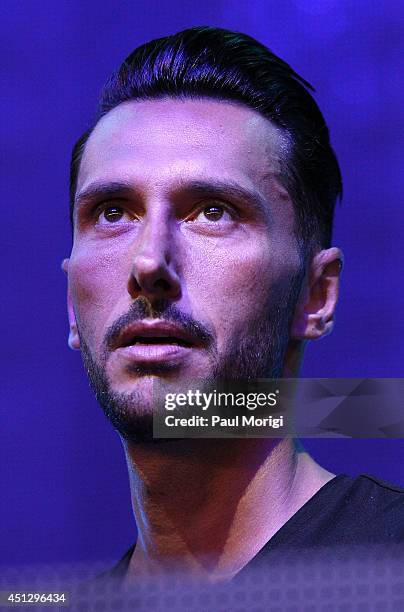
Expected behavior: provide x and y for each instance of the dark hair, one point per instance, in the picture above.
(217, 63)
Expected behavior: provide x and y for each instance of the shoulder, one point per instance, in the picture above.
(109, 578)
(348, 510)
(377, 506)
(380, 493)
(118, 571)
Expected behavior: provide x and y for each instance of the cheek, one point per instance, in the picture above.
(95, 282)
(233, 284)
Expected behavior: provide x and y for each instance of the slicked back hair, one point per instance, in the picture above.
(216, 63)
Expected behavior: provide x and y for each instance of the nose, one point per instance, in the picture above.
(153, 271)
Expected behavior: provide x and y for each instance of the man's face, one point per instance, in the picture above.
(185, 263)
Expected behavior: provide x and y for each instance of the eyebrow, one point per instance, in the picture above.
(97, 190)
(214, 188)
(226, 189)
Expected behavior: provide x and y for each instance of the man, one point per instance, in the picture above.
(202, 202)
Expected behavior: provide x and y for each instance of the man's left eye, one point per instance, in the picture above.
(214, 212)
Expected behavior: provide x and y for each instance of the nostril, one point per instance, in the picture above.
(161, 283)
(159, 286)
(134, 287)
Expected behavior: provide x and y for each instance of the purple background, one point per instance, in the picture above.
(65, 495)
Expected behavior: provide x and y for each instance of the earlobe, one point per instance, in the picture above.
(74, 338)
(315, 313)
(65, 265)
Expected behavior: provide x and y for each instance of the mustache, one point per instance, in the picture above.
(163, 310)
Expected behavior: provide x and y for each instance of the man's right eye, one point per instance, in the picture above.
(111, 214)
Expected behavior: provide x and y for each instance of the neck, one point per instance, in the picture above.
(199, 504)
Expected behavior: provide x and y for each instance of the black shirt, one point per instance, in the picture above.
(346, 512)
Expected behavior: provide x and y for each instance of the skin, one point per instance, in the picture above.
(197, 502)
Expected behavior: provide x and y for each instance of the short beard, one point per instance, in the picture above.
(259, 353)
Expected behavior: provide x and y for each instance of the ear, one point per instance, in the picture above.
(315, 313)
(73, 340)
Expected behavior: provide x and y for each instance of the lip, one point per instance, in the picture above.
(171, 343)
(153, 353)
(155, 329)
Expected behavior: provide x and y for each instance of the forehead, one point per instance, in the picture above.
(166, 139)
